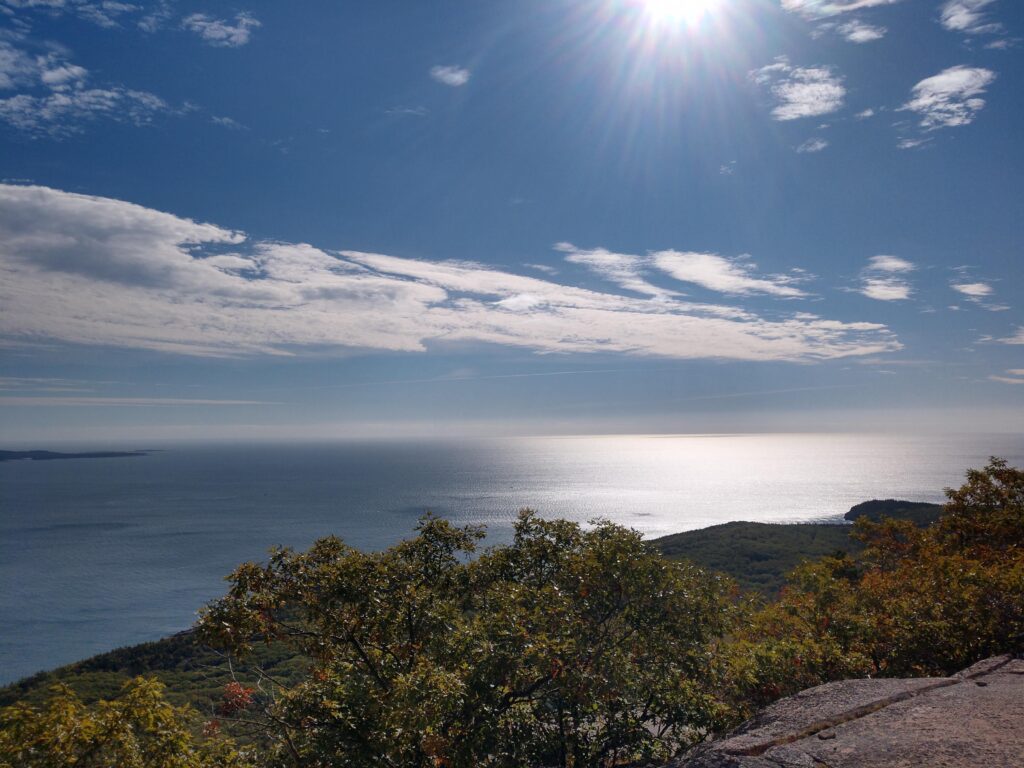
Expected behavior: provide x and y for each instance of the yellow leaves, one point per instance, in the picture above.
(137, 729)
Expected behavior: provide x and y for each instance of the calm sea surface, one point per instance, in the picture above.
(100, 553)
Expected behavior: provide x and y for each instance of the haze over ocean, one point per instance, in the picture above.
(100, 553)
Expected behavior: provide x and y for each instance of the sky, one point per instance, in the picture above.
(330, 219)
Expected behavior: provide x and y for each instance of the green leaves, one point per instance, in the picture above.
(567, 647)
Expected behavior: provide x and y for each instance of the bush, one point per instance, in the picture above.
(138, 729)
(567, 647)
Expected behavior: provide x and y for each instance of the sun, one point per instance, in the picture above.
(677, 11)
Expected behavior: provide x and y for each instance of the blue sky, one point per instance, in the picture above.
(334, 219)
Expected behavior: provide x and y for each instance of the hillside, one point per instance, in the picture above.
(757, 555)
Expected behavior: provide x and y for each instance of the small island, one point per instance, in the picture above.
(53, 455)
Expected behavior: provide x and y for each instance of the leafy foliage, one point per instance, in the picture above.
(568, 647)
(138, 729)
(915, 601)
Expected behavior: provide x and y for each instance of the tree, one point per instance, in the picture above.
(139, 729)
(915, 601)
(567, 647)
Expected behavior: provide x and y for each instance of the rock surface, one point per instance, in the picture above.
(972, 720)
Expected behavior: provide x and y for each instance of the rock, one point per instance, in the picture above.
(974, 719)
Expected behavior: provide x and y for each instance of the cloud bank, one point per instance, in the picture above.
(90, 270)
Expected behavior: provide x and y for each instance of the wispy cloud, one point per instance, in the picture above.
(90, 270)
(119, 402)
(865, 114)
(1013, 376)
(812, 145)
(969, 16)
(950, 98)
(53, 96)
(719, 273)
(228, 122)
(547, 269)
(818, 9)
(222, 33)
(1015, 338)
(856, 31)
(736, 277)
(800, 91)
(883, 278)
(159, 13)
(404, 111)
(450, 75)
(623, 269)
(979, 293)
(104, 13)
(45, 384)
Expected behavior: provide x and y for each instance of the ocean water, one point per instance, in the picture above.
(101, 553)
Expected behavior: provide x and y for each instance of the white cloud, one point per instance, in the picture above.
(865, 114)
(858, 32)
(969, 17)
(950, 98)
(1016, 338)
(890, 264)
(973, 290)
(56, 100)
(882, 278)
(450, 75)
(978, 293)
(708, 270)
(90, 270)
(623, 269)
(812, 145)
(800, 91)
(63, 113)
(16, 66)
(817, 9)
(222, 33)
(718, 273)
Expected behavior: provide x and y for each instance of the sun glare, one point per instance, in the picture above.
(678, 11)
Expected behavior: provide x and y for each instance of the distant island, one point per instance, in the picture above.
(53, 455)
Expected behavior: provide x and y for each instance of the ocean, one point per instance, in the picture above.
(101, 553)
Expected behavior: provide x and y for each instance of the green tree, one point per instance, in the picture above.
(567, 647)
(139, 729)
